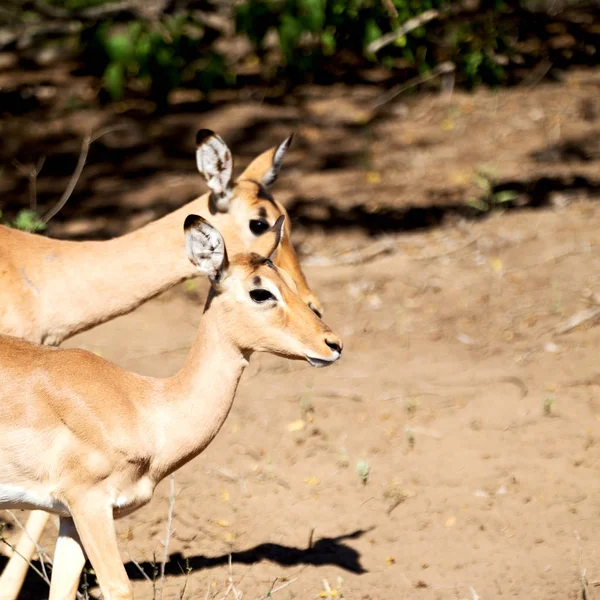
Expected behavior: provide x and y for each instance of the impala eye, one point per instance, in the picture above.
(258, 226)
(261, 296)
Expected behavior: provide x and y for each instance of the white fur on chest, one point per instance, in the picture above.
(13, 496)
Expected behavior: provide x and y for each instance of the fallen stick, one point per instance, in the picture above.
(576, 320)
(405, 28)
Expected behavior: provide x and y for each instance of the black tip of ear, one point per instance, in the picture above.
(203, 135)
(289, 140)
(192, 222)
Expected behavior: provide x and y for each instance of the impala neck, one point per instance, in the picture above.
(113, 277)
(196, 401)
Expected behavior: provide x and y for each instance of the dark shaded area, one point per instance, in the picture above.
(536, 193)
(582, 149)
(325, 551)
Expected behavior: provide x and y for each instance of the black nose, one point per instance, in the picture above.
(334, 346)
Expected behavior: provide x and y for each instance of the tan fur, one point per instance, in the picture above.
(89, 441)
(52, 289)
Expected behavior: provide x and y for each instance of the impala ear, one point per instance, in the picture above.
(265, 167)
(215, 164)
(205, 248)
(268, 243)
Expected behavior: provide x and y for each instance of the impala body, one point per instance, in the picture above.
(52, 289)
(84, 439)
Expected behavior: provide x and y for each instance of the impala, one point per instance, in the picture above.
(52, 289)
(84, 439)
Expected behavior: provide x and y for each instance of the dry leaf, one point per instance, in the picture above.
(496, 265)
(223, 523)
(461, 178)
(390, 560)
(373, 177)
(448, 125)
(312, 481)
(224, 496)
(450, 522)
(296, 425)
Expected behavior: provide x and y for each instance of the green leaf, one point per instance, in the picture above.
(289, 33)
(505, 196)
(119, 48)
(328, 43)
(114, 80)
(28, 220)
(400, 41)
(372, 32)
(312, 14)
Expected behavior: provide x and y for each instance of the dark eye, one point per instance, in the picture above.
(258, 226)
(259, 295)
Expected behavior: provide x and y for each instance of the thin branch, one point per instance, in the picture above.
(139, 567)
(441, 69)
(41, 552)
(354, 257)
(31, 172)
(15, 551)
(576, 320)
(450, 252)
(390, 8)
(88, 140)
(168, 536)
(405, 28)
(280, 587)
(237, 595)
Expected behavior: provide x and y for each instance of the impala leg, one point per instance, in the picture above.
(69, 561)
(96, 528)
(14, 573)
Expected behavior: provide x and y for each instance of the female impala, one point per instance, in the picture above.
(52, 289)
(109, 436)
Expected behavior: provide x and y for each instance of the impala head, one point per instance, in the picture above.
(244, 210)
(259, 302)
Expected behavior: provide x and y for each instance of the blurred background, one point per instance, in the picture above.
(442, 185)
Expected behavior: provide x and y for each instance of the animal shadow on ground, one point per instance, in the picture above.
(324, 551)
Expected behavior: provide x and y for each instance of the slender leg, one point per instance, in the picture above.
(69, 561)
(14, 573)
(96, 528)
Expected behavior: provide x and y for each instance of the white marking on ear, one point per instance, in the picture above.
(205, 248)
(278, 156)
(215, 164)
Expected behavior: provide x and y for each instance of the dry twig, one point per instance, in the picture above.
(578, 319)
(353, 257)
(43, 555)
(279, 587)
(168, 536)
(405, 28)
(441, 69)
(88, 140)
(31, 172)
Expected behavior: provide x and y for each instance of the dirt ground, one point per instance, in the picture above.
(466, 391)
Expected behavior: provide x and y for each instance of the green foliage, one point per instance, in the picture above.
(134, 55)
(26, 220)
(153, 57)
(363, 470)
(311, 30)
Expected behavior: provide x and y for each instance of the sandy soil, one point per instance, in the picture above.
(478, 419)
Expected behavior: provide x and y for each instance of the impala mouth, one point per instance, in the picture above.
(321, 362)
